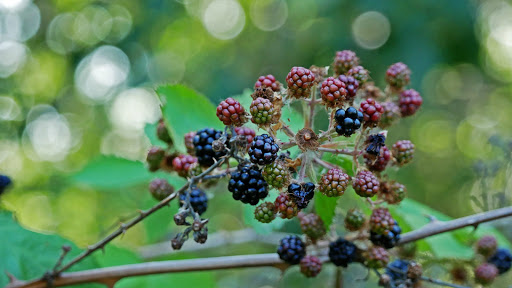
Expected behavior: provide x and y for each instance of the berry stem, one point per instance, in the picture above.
(337, 151)
(312, 108)
(287, 130)
(323, 163)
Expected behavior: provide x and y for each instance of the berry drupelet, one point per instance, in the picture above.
(333, 92)
(372, 112)
(198, 200)
(502, 259)
(301, 193)
(366, 184)
(291, 249)
(342, 252)
(334, 183)
(344, 61)
(285, 206)
(398, 75)
(247, 185)
(300, 80)
(231, 112)
(203, 141)
(310, 266)
(263, 150)
(348, 121)
(268, 81)
(410, 101)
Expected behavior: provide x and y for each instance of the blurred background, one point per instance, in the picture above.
(77, 81)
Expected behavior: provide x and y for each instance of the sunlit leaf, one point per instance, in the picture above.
(325, 207)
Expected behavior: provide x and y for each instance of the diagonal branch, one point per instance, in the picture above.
(240, 261)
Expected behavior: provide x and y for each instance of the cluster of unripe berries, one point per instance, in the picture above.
(497, 261)
(355, 105)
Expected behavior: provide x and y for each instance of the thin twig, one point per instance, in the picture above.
(323, 163)
(65, 251)
(337, 151)
(287, 130)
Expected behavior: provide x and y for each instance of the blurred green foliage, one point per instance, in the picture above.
(77, 83)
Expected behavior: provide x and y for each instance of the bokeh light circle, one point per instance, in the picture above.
(12, 56)
(132, 109)
(371, 30)
(224, 19)
(269, 15)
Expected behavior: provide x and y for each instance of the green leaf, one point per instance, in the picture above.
(343, 161)
(109, 172)
(150, 131)
(28, 255)
(325, 208)
(186, 110)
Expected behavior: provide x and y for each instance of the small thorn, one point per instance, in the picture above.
(11, 277)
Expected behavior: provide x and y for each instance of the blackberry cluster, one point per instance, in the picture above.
(300, 80)
(376, 257)
(333, 91)
(291, 249)
(198, 200)
(342, 252)
(203, 141)
(365, 184)
(312, 225)
(344, 61)
(263, 150)
(276, 174)
(397, 269)
(410, 101)
(359, 73)
(310, 266)
(268, 81)
(231, 112)
(265, 212)
(247, 185)
(354, 220)
(351, 85)
(502, 259)
(348, 121)
(285, 206)
(262, 111)
(301, 193)
(159, 189)
(398, 75)
(334, 183)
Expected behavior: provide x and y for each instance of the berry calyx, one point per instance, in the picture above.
(183, 164)
(263, 150)
(372, 112)
(403, 152)
(247, 185)
(262, 111)
(285, 206)
(300, 80)
(410, 101)
(334, 183)
(264, 212)
(203, 141)
(376, 257)
(342, 252)
(301, 193)
(160, 189)
(348, 121)
(398, 75)
(197, 198)
(359, 73)
(486, 245)
(351, 86)
(486, 273)
(354, 220)
(502, 259)
(392, 192)
(310, 266)
(231, 112)
(333, 92)
(365, 184)
(154, 158)
(344, 60)
(377, 163)
(268, 81)
(276, 174)
(312, 225)
(291, 249)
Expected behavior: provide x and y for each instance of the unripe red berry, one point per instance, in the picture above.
(189, 142)
(333, 92)
(334, 183)
(310, 266)
(487, 245)
(300, 80)
(246, 132)
(183, 164)
(398, 75)
(160, 189)
(162, 133)
(344, 60)
(359, 73)
(231, 112)
(403, 151)
(377, 163)
(390, 115)
(268, 81)
(376, 257)
(154, 158)
(372, 112)
(285, 206)
(410, 102)
(366, 184)
(392, 192)
(351, 85)
(486, 273)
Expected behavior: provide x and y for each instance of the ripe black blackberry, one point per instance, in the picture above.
(5, 181)
(291, 249)
(198, 200)
(263, 150)
(348, 121)
(397, 269)
(301, 194)
(310, 266)
(388, 239)
(502, 259)
(342, 252)
(203, 141)
(247, 185)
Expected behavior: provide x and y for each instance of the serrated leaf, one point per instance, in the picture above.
(109, 172)
(186, 110)
(28, 255)
(325, 208)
